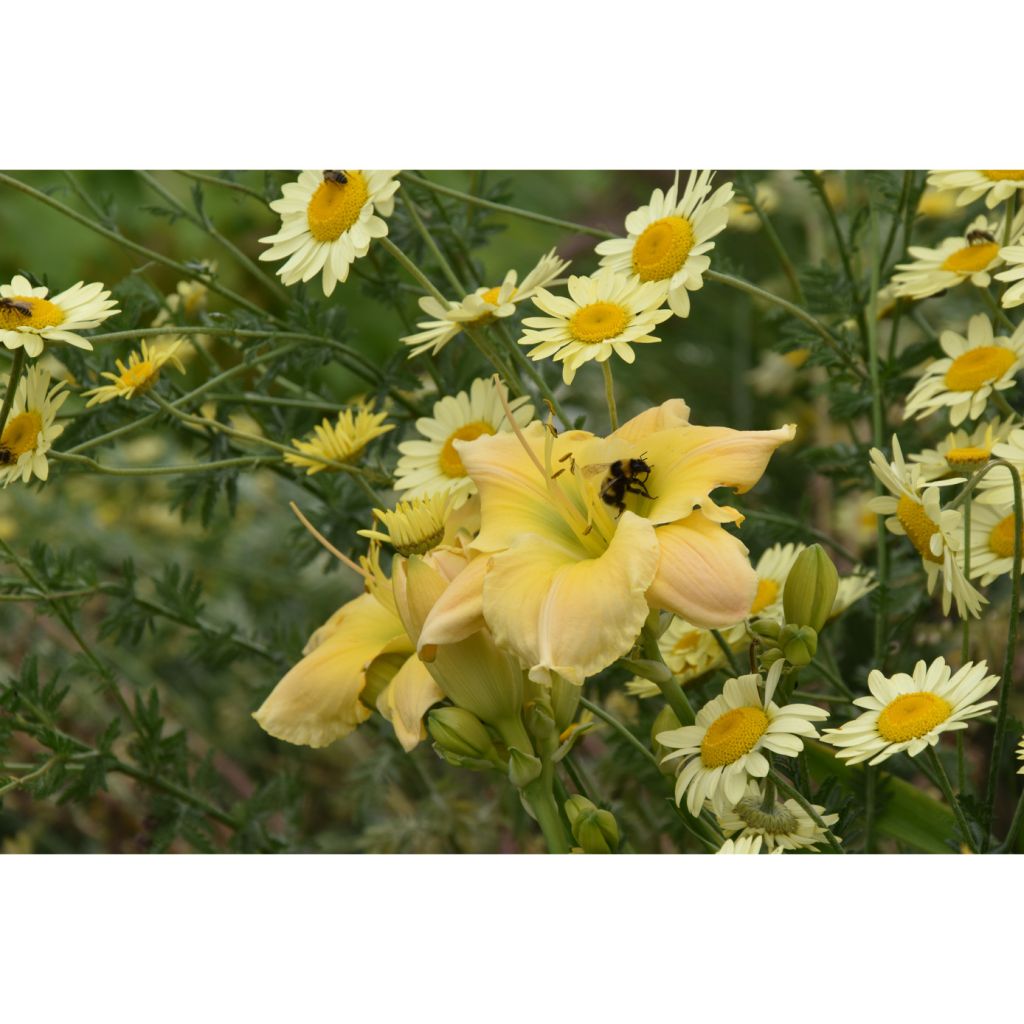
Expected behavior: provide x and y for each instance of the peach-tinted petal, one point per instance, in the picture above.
(704, 575)
(317, 702)
(459, 611)
(564, 614)
(406, 699)
(673, 413)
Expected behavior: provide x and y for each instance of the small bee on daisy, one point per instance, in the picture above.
(28, 318)
(910, 712)
(481, 306)
(433, 465)
(328, 219)
(915, 513)
(602, 315)
(971, 257)
(992, 539)
(975, 366)
(31, 427)
(139, 376)
(341, 441)
(722, 751)
(669, 239)
(781, 824)
(995, 186)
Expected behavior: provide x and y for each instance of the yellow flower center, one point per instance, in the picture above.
(598, 322)
(1000, 540)
(451, 464)
(662, 248)
(335, 207)
(967, 458)
(732, 735)
(687, 642)
(1004, 175)
(21, 434)
(977, 367)
(491, 295)
(918, 525)
(767, 591)
(912, 715)
(141, 376)
(971, 258)
(42, 313)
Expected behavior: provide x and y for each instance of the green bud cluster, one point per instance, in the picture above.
(595, 830)
(462, 739)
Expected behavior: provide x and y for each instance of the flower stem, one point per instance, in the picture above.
(609, 394)
(965, 643)
(540, 796)
(1011, 836)
(12, 387)
(947, 791)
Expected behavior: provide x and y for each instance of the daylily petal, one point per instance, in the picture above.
(704, 575)
(673, 413)
(406, 699)
(688, 463)
(459, 611)
(570, 615)
(317, 702)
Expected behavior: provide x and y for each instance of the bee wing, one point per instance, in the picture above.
(595, 467)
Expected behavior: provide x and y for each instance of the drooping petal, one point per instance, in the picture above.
(317, 702)
(704, 575)
(673, 413)
(459, 611)
(688, 463)
(406, 699)
(566, 614)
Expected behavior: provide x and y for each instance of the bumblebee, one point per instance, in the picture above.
(624, 476)
(978, 237)
(24, 308)
(338, 177)
(6, 455)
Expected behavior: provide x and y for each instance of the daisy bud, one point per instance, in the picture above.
(800, 650)
(460, 734)
(810, 589)
(595, 830)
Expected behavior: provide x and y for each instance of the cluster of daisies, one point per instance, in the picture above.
(969, 384)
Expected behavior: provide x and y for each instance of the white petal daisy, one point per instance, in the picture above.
(962, 258)
(910, 712)
(915, 513)
(974, 367)
(991, 541)
(1013, 256)
(722, 751)
(29, 318)
(668, 240)
(961, 452)
(31, 428)
(1020, 757)
(481, 306)
(782, 824)
(851, 589)
(995, 186)
(745, 844)
(433, 465)
(603, 314)
(996, 486)
(328, 219)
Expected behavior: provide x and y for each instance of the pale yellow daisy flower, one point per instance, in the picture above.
(991, 541)
(995, 186)
(328, 219)
(139, 376)
(602, 315)
(31, 427)
(745, 844)
(340, 441)
(1013, 255)
(975, 366)
(781, 824)
(28, 318)
(910, 712)
(996, 486)
(480, 307)
(961, 452)
(668, 240)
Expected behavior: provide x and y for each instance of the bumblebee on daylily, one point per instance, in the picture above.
(569, 580)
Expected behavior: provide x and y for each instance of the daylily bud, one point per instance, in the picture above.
(665, 721)
(522, 768)
(769, 657)
(458, 732)
(810, 589)
(595, 830)
(767, 628)
(801, 649)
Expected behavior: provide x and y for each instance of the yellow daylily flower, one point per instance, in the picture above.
(575, 563)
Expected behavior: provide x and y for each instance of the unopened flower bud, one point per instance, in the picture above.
(810, 589)
(766, 628)
(768, 658)
(596, 831)
(801, 649)
(456, 731)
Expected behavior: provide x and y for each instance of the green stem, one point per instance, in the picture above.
(947, 791)
(209, 179)
(1011, 836)
(12, 386)
(596, 709)
(776, 243)
(250, 461)
(609, 395)
(540, 796)
(804, 528)
(730, 655)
